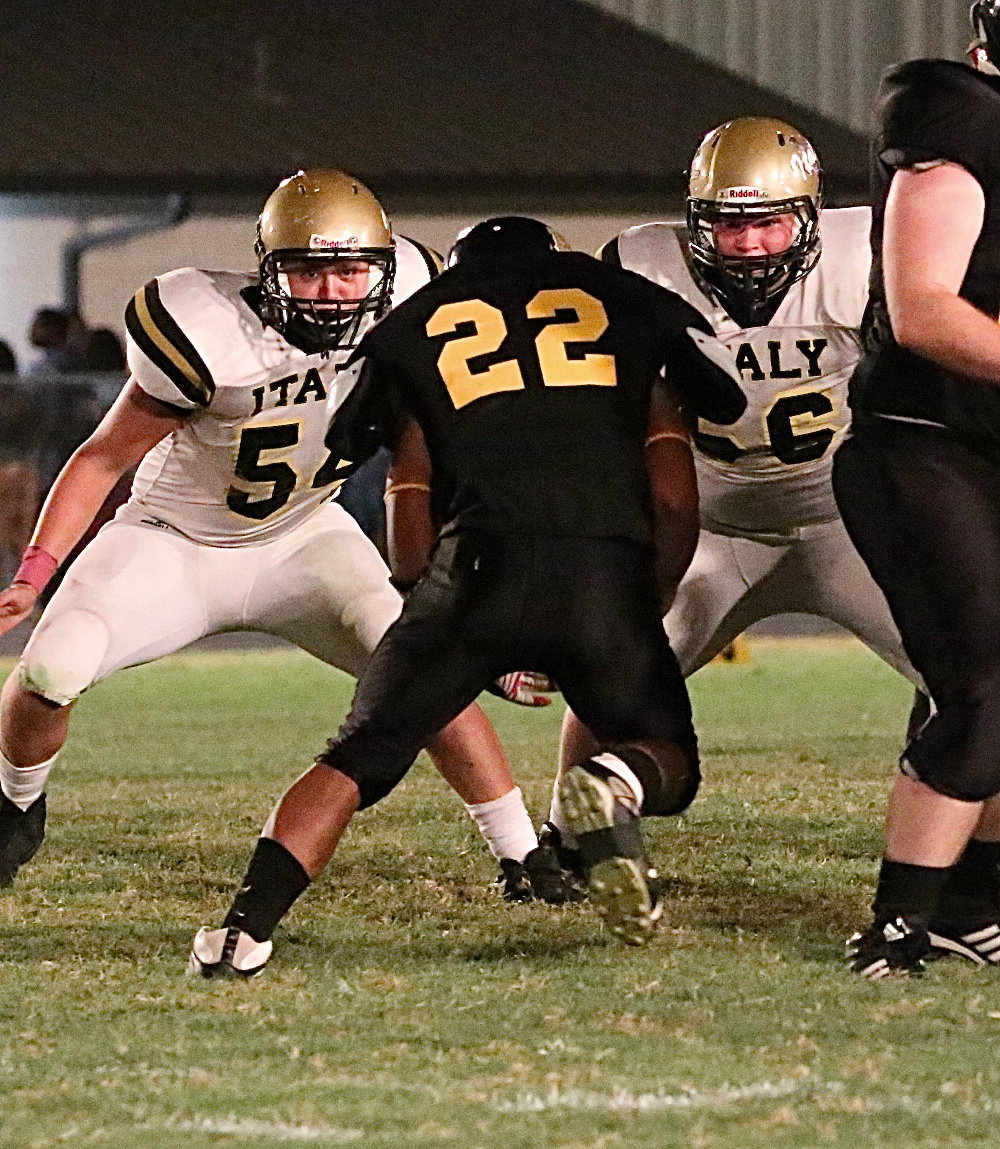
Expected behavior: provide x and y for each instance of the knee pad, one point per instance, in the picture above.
(957, 751)
(64, 656)
(668, 772)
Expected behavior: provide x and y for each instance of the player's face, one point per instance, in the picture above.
(335, 280)
(745, 238)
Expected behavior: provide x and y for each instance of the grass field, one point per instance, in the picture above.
(408, 1006)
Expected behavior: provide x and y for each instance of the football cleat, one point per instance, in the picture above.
(568, 856)
(602, 814)
(227, 952)
(539, 876)
(888, 948)
(980, 944)
(21, 834)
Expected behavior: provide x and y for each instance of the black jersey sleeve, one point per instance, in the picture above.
(701, 368)
(364, 421)
(610, 253)
(940, 110)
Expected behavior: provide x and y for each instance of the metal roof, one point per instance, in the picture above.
(431, 101)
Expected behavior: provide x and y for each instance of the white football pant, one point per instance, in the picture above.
(137, 593)
(735, 582)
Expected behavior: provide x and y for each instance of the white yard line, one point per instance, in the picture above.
(624, 1100)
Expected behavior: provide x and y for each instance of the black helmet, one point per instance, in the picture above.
(502, 236)
(985, 17)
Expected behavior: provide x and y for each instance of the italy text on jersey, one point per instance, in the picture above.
(249, 463)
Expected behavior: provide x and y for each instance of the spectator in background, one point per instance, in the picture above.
(60, 338)
(103, 351)
(19, 487)
(67, 419)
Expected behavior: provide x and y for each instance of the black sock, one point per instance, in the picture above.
(274, 879)
(971, 895)
(908, 891)
(669, 781)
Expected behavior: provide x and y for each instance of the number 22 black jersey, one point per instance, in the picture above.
(531, 381)
(934, 110)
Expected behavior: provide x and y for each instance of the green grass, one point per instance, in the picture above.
(408, 1006)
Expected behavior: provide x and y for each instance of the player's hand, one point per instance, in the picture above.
(16, 603)
(525, 688)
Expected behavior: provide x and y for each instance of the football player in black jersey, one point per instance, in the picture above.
(542, 508)
(918, 484)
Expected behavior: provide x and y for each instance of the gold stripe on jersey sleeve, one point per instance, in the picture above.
(159, 336)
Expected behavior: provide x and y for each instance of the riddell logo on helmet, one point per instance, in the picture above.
(323, 243)
(740, 194)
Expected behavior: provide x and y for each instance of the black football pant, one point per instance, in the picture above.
(923, 509)
(584, 611)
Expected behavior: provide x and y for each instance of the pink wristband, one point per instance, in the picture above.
(37, 568)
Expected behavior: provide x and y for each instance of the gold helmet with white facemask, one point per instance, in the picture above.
(747, 170)
(314, 217)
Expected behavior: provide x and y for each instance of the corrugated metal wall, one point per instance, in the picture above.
(826, 54)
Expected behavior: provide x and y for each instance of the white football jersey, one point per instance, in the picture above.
(249, 462)
(769, 472)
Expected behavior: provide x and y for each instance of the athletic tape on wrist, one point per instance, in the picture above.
(397, 487)
(36, 569)
(661, 435)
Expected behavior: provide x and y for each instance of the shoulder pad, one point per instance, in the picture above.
(162, 358)
(416, 265)
(650, 249)
(939, 110)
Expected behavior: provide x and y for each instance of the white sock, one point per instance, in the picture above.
(556, 818)
(626, 773)
(23, 785)
(620, 770)
(505, 825)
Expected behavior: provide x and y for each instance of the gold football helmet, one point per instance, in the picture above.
(746, 169)
(322, 214)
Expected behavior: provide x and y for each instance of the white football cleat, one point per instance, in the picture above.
(603, 816)
(227, 952)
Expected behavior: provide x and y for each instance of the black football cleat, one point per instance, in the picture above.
(568, 856)
(227, 952)
(21, 834)
(889, 949)
(976, 943)
(602, 814)
(538, 878)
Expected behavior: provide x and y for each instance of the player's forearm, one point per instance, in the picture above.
(676, 537)
(933, 222)
(410, 532)
(948, 330)
(73, 501)
(674, 489)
